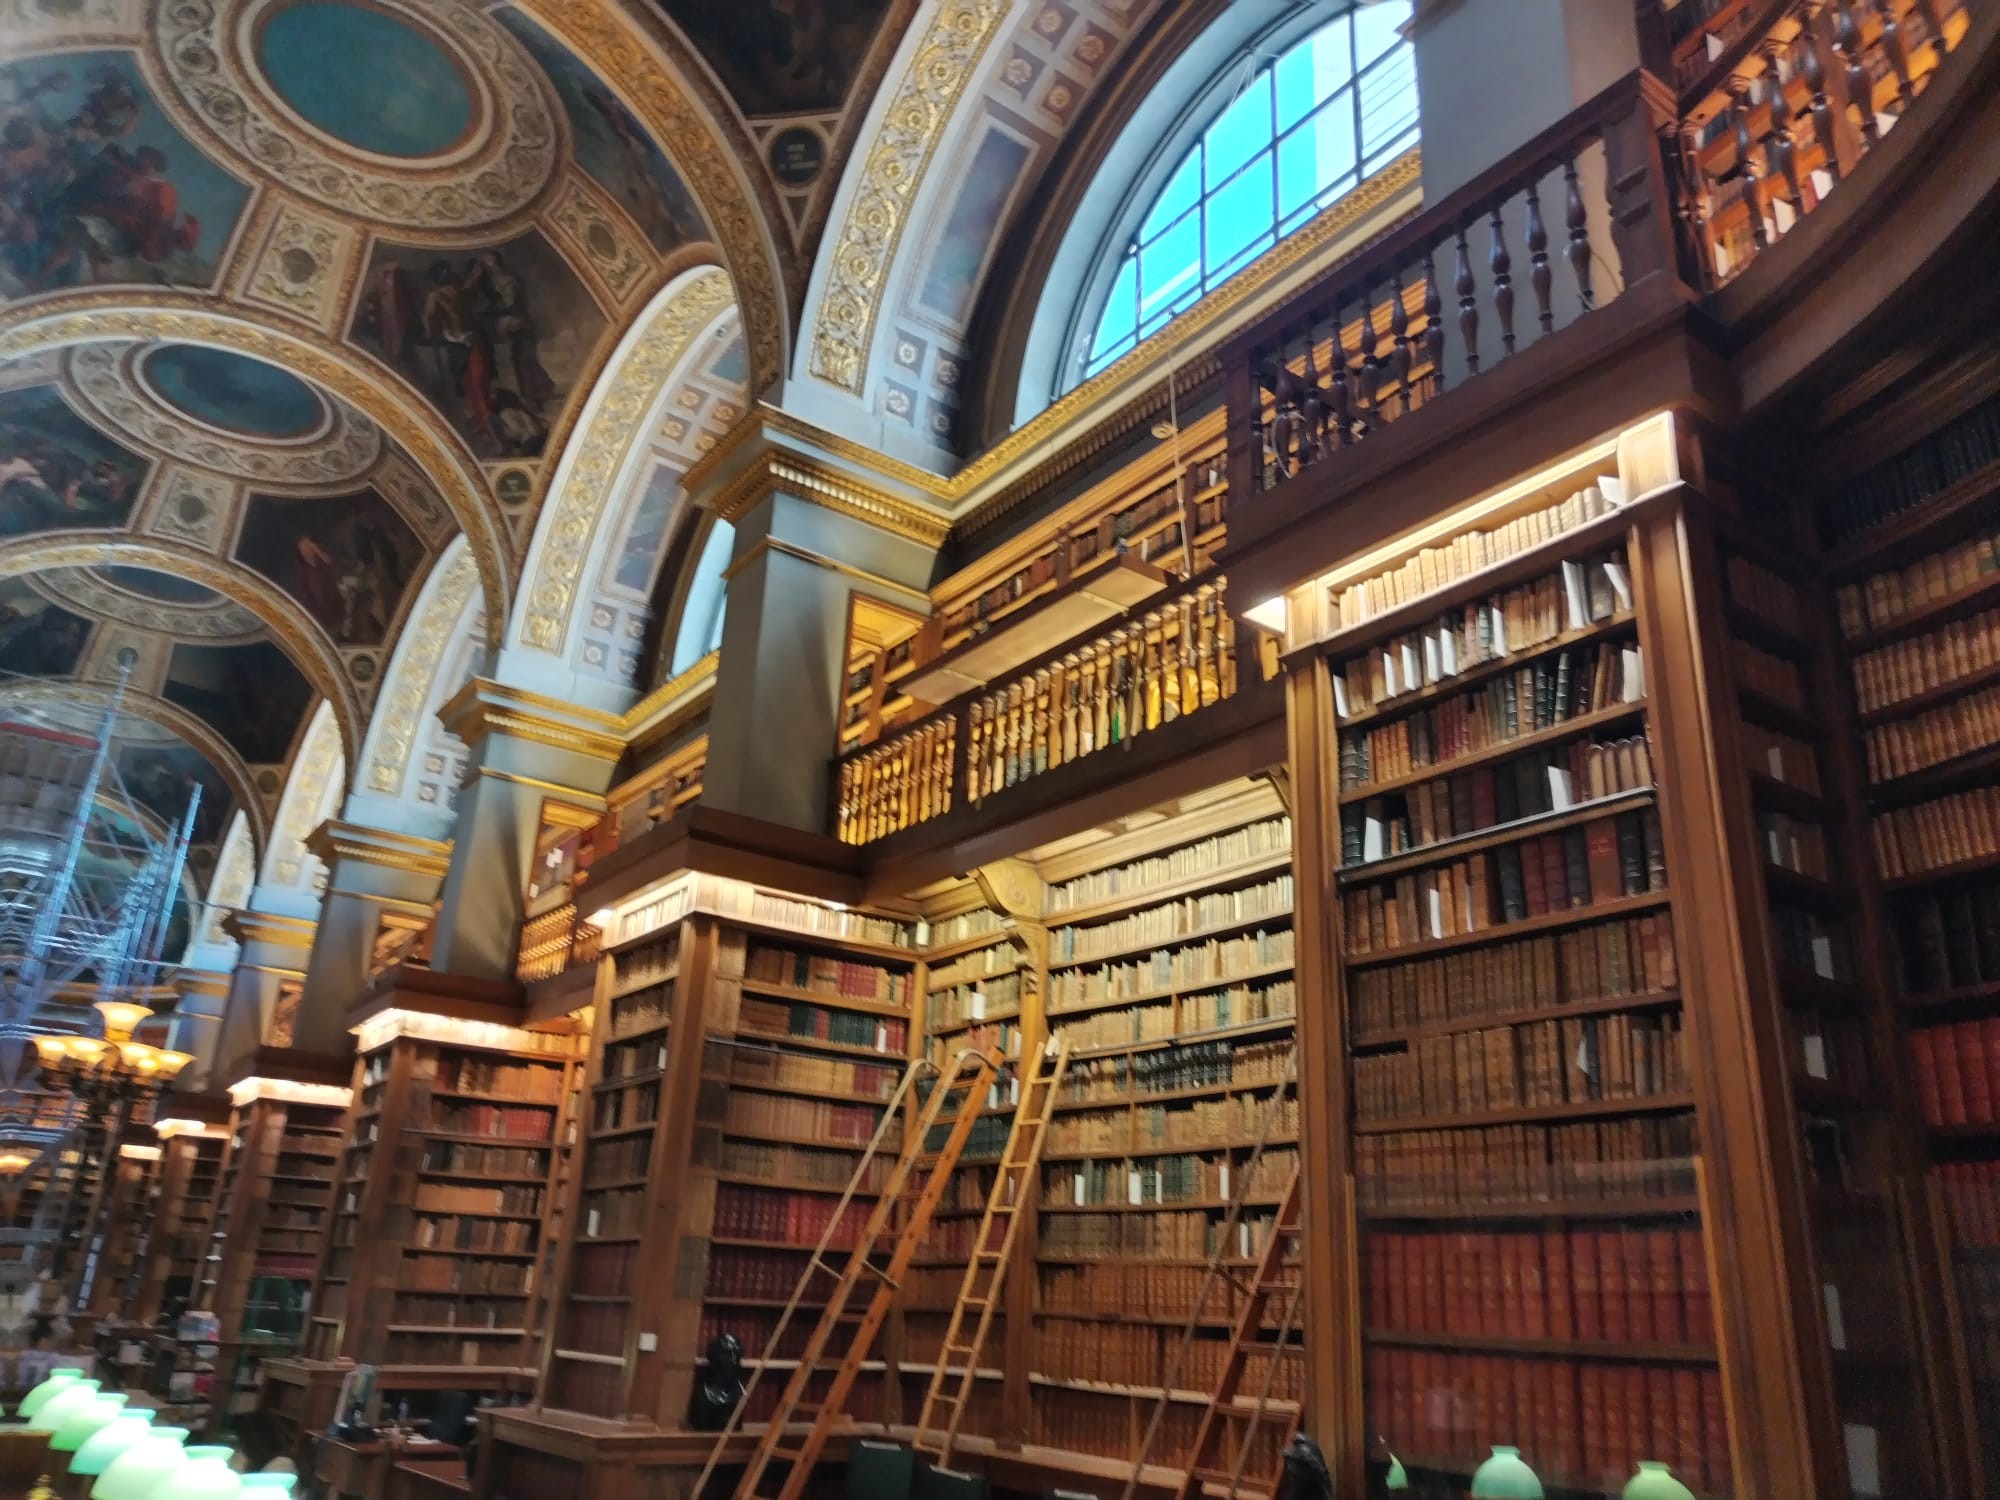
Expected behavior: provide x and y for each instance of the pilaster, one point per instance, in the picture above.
(372, 874)
(272, 953)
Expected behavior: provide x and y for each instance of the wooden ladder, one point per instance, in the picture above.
(1226, 1440)
(992, 1253)
(782, 1461)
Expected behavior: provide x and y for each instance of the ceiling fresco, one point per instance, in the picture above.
(781, 57)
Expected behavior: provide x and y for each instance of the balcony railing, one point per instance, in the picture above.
(554, 942)
(1173, 658)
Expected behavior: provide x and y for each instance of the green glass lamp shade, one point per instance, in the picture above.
(1396, 1478)
(86, 1421)
(270, 1484)
(139, 1472)
(205, 1476)
(37, 1398)
(109, 1441)
(1655, 1481)
(1505, 1477)
(55, 1411)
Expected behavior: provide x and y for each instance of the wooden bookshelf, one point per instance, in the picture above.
(190, 1173)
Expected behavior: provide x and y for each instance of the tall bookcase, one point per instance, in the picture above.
(184, 1201)
(1912, 567)
(450, 1197)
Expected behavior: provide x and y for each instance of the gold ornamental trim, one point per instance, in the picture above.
(413, 672)
(484, 707)
(864, 246)
(248, 926)
(616, 421)
(822, 485)
(378, 392)
(831, 564)
(384, 848)
(702, 673)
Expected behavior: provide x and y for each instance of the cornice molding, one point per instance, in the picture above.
(337, 839)
(248, 926)
(484, 707)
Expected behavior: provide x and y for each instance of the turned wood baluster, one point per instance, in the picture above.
(1399, 333)
(1468, 305)
(1578, 224)
(1538, 258)
(1371, 367)
(1314, 405)
(1860, 91)
(1780, 155)
(1821, 108)
(1343, 409)
(1934, 23)
(1433, 320)
(1503, 283)
(1746, 163)
(1894, 50)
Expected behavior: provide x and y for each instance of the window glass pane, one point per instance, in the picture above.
(1121, 307)
(1318, 153)
(1388, 101)
(1239, 213)
(1311, 71)
(1379, 27)
(1177, 197)
(1169, 265)
(701, 617)
(1243, 131)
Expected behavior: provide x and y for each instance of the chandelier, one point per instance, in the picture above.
(111, 1068)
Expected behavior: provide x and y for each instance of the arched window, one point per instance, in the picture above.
(700, 629)
(1301, 132)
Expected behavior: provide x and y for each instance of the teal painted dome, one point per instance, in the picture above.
(366, 77)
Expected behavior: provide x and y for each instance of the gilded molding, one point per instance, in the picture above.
(766, 418)
(775, 472)
(484, 707)
(336, 839)
(306, 643)
(616, 421)
(378, 393)
(419, 657)
(318, 763)
(248, 926)
(925, 98)
(919, 597)
(701, 674)
(605, 41)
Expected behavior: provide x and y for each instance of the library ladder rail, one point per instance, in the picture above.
(782, 1462)
(1275, 1277)
(992, 1253)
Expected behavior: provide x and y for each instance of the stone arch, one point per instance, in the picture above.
(609, 446)
(291, 873)
(229, 889)
(427, 668)
(371, 387)
(297, 632)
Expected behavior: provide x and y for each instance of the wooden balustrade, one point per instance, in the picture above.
(1788, 108)
(554, 942)
(1557, 230)
(1174, 657)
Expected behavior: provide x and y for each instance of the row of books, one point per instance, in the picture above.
(447, 1157)
(452, 1349)
(804, 1119)
(1164, 1070)
(604, 1270)
(1972, 1199)
(1197, 965)
(1954, 451)
(818, 1023)
(511, 1122)
(946, 931)
(1582, 1425)
(539, 1082)
(460, 1312)
(999, 996)
(621, 1109)
(753, 1328)
(970, 968)
(655, 961)
(1540, 695)
(643, 1057)
(1237, 1120)
(595, 1328)
(1430, 569)
(791, 1218)
(1162, 1236)
(643, 1010)
(1271, 836)
(761, 1275)
(1006, 1035)
(1794, 843)
(1141, 1354)
(838, 977)
(458, 1273)
(1830, 1046)
(1103, 1425)
(1172, 920)
(1780, 756)
(1775, 677)
(1758, 591)
(1883, 599)
(1538, 1064)
(1934, 736)
(1168, 1294)
(800, 1165)
(1118, 1028)
(826, 921)
(1586, 1161)
(513, 1198)
(1932, 835)
(1948, 941)
(1605, 961)
(451, 1232)
(1531, 785)
(1806, 943)
(1891, 674)
(1958, 1072)
(1615, 1286)
(774, 1068)
(1604, 860)
(984, 1142)
(1148, 1180)
(613, 1212)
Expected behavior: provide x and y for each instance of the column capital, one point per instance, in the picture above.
(484, 709)
(338, 840)
(263, 927)
(774, 452)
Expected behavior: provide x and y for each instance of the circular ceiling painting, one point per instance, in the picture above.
(165, 587)
(365, 77)
(233, 392)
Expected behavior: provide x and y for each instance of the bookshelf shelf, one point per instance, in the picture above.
(1784, 797)
(1222, 878)
(1768, 711)
(1617, 626)
(1608, 1005)
(1177, 940)
(815, 997)
(1975, 767)
(1913, 532)
(942, 952)
(1268, 1025)
(1651, 1104)
(1612, 1209)
(1957, 604)
(1170, 992)
(1977, 864)
(1555, 921)
(1175, 1096)
(1482, 839)
(1540, 739)
(1985, 993)
(1554, 1348)
(1944, 692)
